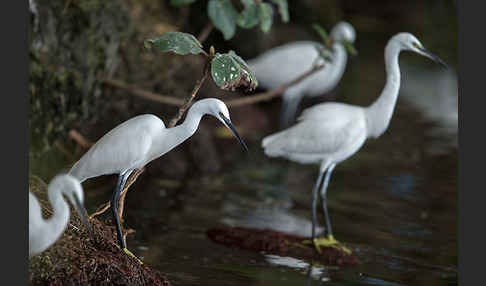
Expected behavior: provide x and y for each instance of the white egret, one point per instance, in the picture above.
(329, 133)
(285, 63)
(43, 233)
(139, 140)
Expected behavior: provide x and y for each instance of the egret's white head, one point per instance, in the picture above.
(408, 42)
(343, 31)
(72, 189)
(218, 109)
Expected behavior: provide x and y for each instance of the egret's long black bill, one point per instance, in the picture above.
(434, 57)
(82, 213)
(233, 129)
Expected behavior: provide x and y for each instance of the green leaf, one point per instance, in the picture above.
(283, 9)
(177, 42)
(320, 30)
(223, 15)
(230, 72)
(179, 3)
(350, 48)
(249, 16)
(265, 13)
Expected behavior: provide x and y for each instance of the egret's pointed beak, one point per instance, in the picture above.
(432, 56)
(82, 213)
(233, 129)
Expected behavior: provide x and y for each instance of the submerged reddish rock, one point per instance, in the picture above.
(275, 242)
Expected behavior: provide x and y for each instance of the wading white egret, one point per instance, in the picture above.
(139, 140)
(43, 233)
(329, 133)
(285, 63)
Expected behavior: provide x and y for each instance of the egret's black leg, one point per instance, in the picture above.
(314, 204)
(122, 179)
(289, 109)
(324, 201)
(328, 240)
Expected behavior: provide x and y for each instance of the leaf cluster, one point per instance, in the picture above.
(225, 17)
(228, 70)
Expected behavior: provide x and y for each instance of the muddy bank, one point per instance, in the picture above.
(81, 258)
(275, 242)
(78, 259)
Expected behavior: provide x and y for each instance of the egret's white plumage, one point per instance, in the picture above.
(285, 63)
(137, 141)
(43, 233)
(329, 133)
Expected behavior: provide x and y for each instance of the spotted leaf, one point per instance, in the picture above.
(230, 72)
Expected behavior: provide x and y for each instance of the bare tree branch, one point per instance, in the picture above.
(264, 96)
(144, 94)
(80, 139)
(188, 103)
(203, 35)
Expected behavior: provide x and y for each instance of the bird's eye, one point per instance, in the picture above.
(415, 45)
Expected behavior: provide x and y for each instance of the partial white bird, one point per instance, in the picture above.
(43, 233)
(139, 140)
(329, 133)
(285, 63)
(438, 106)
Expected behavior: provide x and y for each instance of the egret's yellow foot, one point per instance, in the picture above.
(328, 241)
(132, 255)
(129, 253)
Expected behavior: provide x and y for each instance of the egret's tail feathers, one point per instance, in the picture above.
(270, 149)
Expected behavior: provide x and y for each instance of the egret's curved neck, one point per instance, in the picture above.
(340, 58)
(54, 226)
(380, 112)
(180, 133)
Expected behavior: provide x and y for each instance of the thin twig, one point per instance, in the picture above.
(188, 102)
(66, 7)
(203, 35)
(265, 96)
(83, 142)
(143, 93)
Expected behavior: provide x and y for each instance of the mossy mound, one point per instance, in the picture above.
(81, 258)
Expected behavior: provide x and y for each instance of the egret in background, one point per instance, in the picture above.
(136, 142)
(438, 106)
(43, 233)
(329, 133)
(285, 63)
